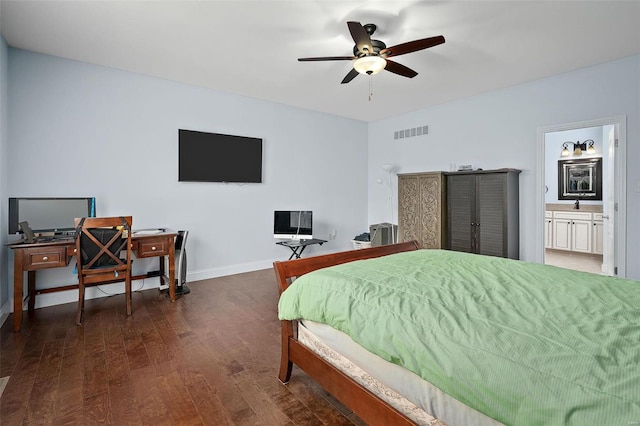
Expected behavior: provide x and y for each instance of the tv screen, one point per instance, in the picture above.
(213, 157)
(49, 214)
(293, 224)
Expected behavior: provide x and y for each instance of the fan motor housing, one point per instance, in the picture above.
(377, 47)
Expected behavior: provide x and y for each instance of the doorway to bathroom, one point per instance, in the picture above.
(582, 196)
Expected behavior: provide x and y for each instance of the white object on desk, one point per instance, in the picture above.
(147, 231)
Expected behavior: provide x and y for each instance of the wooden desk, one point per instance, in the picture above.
(57, 254)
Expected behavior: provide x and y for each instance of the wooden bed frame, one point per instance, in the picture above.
(366, 405)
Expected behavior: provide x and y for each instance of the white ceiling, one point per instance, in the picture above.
(251, 47)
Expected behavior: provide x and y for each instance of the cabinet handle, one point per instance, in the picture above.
(75, 250)
(153, 248)
(45, 258)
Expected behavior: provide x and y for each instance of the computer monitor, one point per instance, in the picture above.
(49, 215)
(293, 224)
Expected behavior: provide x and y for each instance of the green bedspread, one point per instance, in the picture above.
(524, 343)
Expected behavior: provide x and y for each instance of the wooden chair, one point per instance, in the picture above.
(99, 244)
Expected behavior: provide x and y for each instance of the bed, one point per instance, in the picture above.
(498, 340)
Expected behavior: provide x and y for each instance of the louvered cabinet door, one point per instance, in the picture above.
(491, 218)
(461, 205)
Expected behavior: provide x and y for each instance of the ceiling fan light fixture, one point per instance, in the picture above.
(370, 64)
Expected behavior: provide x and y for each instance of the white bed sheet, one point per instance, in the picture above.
(414, 389)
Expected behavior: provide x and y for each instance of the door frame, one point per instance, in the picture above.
(620, 185)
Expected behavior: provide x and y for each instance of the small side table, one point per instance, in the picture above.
(298, 246)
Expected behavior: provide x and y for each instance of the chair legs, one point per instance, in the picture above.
(80, 312)
(127, 292)
(80, 303)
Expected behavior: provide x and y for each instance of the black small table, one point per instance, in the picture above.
(298, 246)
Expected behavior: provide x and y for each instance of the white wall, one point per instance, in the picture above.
(499, 129)
(83, 130)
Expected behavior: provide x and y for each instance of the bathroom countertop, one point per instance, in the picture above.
(591, 208)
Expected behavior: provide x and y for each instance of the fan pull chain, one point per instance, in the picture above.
(370, 90)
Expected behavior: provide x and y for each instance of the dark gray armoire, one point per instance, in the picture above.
(483, 212)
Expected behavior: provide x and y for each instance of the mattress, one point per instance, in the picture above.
(416, 398)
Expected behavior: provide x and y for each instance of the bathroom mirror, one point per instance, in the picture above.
(580, 179)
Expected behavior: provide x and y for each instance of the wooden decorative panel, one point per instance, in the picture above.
(421, 209)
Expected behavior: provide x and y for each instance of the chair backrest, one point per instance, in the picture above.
(99, 241)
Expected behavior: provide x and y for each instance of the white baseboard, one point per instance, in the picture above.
(206, 274)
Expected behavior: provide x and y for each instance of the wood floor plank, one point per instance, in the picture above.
(205, 399)
(69, 404)
(15, 398)
(151, 407)
(211, 358)
(44, 392)
(123, 405)
(178, 401)
(96, 410)
(96, 376)
(260, 402)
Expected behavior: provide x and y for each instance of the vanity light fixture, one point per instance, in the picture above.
(578, 148)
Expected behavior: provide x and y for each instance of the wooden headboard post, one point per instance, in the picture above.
(362, 402)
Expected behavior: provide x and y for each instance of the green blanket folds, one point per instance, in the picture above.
(524, 343)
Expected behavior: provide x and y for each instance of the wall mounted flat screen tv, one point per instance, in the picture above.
(47, 215)
(214, 157)
(293, 224)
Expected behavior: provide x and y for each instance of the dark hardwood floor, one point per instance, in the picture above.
(209, 358)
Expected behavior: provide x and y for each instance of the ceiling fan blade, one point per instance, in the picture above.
(350, 76)
(328, 58)
(400, 69)
(360, 36)
(412, 46)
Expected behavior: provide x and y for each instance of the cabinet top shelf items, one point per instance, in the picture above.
(461, 172)
(480, 171)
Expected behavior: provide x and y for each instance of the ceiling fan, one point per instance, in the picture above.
(371, 55)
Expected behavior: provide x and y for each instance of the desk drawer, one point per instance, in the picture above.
(153, 247)
(71, 250)
(45, 257)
